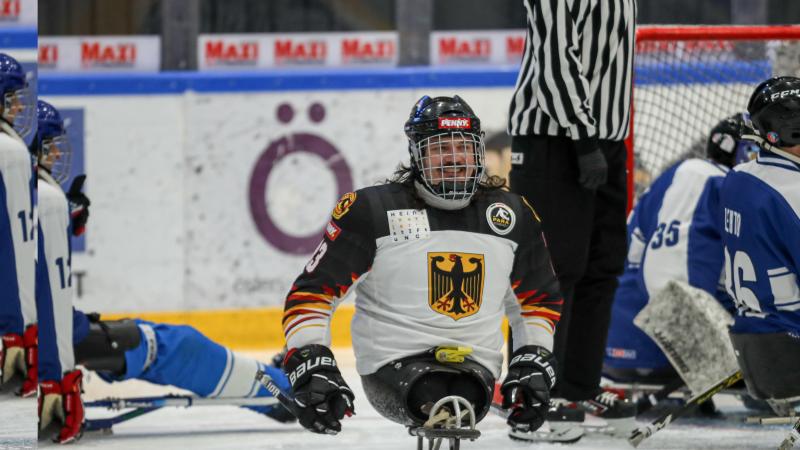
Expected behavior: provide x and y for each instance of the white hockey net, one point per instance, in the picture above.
(686, 79)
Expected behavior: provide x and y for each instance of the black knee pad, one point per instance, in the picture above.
(400, 389)
(770, 364)
(104, 348)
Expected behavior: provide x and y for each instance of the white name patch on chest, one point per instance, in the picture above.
(408, 224)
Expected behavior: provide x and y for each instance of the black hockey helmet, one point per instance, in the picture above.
(446, 147)
(726, 144)
(424, 118)
(774, 109)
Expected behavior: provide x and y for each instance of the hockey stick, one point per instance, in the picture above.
(178, 401)
(794, 436)
(789, 420)
(108, 422)
(647, 401)
(642, 433)
(276, 391)
(144, 405)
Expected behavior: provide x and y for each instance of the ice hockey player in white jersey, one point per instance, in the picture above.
(436, 257)
(17, 225)
(761, 235)
(59, 380)
(673, 234)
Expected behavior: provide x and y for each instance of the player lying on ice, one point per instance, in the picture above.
(437, 256)
(164, 354)
(673, 234)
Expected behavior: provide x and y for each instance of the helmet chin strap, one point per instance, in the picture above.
(437, 202)
(765, 144)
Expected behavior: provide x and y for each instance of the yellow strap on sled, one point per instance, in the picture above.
(452, 354)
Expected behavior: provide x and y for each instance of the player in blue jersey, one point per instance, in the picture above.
(672, 235)
(121, 349)
(760, 204)
(17, 224)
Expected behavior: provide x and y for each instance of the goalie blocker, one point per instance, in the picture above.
(403, 390)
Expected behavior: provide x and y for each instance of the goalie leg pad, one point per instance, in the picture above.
(769, 364)
(104, 347)
(399, 389)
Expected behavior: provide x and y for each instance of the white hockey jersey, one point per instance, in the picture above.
(681, 230)
(428, 277)
(17, 233)
(673, 234)
(54, 281)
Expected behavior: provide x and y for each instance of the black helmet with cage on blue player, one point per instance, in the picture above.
(727, 143)
(446, 148)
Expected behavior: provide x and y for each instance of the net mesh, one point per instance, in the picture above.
(685, 87)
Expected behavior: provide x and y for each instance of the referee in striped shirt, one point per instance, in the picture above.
(568, 120)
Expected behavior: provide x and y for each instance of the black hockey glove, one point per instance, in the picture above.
(526, 389)
(321, 396)
(78, 205)
(593, 169)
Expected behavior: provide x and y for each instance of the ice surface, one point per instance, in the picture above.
(224, 427)
(17, 421)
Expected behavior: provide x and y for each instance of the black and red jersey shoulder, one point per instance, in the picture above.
(492, 212)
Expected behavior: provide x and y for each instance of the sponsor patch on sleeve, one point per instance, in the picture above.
(332, 231)
(500, 217)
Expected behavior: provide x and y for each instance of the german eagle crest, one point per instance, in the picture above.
(455, 283)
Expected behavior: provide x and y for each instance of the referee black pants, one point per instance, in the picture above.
(586, 236)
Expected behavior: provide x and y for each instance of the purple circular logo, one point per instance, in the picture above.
(269, 158)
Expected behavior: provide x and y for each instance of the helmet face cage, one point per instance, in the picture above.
(450, 164)
(56, 157)
(19, 109)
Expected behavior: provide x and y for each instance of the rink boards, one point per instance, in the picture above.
(210, 191)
